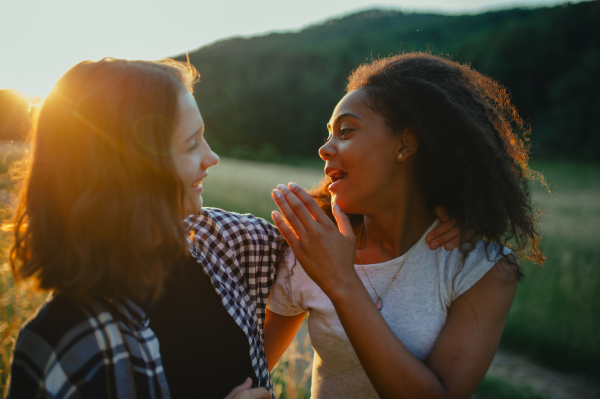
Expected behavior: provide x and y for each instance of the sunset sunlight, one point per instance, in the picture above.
(270, 199)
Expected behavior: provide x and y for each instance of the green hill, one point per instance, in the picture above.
(271, 96)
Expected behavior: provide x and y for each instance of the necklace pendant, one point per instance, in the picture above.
(379, 304)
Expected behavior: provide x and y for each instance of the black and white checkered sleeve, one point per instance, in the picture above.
(256, 243)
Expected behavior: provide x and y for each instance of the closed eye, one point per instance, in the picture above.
(193, 146)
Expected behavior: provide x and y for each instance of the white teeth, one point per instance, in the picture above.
(197, 184)
(337, 175)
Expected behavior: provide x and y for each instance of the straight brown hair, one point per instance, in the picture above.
(100, 210)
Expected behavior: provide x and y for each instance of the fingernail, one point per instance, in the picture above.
(428, 238)
(337, 207)
(277, 193)
(449, 245)
(433, 244)
(293, 186)
(275, 215)
(281, 187)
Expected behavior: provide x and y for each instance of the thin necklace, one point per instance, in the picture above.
(379, 300)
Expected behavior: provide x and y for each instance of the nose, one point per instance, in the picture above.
(326, 151)
(210, 159)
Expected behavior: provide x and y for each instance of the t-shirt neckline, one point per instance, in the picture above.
(396, 261)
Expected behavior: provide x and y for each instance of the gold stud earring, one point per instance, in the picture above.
(399, 156)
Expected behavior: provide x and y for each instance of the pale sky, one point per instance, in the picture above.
(42, 39)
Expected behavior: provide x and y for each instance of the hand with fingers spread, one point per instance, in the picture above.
(326, 251)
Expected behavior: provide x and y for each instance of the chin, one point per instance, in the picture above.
(193, 206)
(346, 205)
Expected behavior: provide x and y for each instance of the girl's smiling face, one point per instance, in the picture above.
(361, 157)
(192, 155)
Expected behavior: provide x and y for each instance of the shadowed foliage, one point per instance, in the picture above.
(274, 94)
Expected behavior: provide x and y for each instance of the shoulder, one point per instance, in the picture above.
(468, 264)
(55, 319)
(291, 270)
(292, 287)
(61, 329)
(480, 254)
(214, 220)
(292, 277)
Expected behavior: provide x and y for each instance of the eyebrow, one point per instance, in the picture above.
(195, 134)
(340, 116)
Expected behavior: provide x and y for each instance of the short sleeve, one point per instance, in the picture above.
(282, 299)
(476, 264)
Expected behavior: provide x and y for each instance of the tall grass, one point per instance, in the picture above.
(555, 317)
(17, 303)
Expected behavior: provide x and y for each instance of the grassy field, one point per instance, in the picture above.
(555, 318)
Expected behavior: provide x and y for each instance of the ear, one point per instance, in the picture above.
(408, 143)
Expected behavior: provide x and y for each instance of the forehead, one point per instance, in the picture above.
(187, 107)
(354, 102)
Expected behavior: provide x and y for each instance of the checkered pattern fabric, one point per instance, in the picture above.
(239, 253)
(99, 350)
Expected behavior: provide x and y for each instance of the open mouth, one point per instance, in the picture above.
(197, 183)
(335, 175)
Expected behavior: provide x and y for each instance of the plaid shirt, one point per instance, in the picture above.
(107, 350)
(239, 253)
(99, 350)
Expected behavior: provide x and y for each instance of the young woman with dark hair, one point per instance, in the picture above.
(388, 317)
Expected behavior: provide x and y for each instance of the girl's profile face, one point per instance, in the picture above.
(192, 155)
(360, 156)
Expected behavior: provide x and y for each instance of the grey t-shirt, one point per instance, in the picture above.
(415, 307)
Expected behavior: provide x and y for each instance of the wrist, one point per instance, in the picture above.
(341, 290)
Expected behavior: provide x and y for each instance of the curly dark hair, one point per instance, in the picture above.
(467, 127)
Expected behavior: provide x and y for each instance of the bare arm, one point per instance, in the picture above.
(460, 357)
(279, 333)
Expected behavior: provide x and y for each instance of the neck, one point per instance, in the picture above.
(391, 232)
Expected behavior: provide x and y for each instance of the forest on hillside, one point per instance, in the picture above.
(269, 97)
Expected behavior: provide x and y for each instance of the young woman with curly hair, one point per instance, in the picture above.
(388, 317)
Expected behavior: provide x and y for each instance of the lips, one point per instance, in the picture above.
(197, 185)
(335, 175)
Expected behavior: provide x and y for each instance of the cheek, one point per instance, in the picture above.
(186, 166)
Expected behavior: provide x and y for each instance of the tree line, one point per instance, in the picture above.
(269, 97)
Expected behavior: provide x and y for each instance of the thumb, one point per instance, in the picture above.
(245, 386)
(343, 223)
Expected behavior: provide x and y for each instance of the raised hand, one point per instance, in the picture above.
(326, 251)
